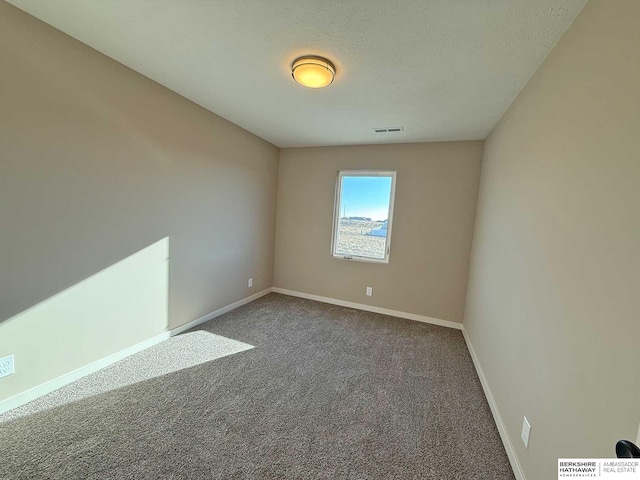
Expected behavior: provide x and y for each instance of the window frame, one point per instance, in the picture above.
(336, 213)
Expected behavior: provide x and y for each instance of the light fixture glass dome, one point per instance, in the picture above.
(313, 72)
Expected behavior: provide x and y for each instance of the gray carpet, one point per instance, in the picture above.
(176, 353)
(327, 392)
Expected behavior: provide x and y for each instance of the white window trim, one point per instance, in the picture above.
(336, 213)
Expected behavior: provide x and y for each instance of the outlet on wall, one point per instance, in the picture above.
(7, 366)
(250, 283)
(526, 431)
(369, 291)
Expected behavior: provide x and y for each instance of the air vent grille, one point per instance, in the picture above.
(389, 130)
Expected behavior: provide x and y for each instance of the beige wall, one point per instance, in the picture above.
(553, 309)
(97, 163)
(436, 192)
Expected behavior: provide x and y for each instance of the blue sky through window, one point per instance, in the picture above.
(365, 197)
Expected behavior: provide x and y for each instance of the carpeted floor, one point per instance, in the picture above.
(176, 353)
(328, 392)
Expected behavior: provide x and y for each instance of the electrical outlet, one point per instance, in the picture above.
(250, 283)
(7, 366)
(526, 431)
(369, 291)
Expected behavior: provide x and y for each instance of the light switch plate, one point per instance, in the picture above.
(526, 431)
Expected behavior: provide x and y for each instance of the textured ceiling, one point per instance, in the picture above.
(442, 69)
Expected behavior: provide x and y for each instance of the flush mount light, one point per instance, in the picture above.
(312, 71)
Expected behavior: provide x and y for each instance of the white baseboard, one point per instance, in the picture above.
(502, 429)
(48, 387)
(370, 308)
(59, 382)
(217, 313)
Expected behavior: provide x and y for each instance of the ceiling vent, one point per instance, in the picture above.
(389, 130)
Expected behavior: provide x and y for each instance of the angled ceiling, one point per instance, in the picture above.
(442, 69)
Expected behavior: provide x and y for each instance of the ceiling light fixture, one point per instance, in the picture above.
(312, 71)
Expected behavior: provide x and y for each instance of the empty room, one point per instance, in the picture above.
(249, 239)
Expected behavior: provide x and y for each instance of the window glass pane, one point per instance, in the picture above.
(363, 216)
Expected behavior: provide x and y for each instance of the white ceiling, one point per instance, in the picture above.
(442, 69)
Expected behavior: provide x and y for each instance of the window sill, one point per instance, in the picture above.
(383, 261)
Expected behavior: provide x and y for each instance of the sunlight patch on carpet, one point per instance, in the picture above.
(176, 353)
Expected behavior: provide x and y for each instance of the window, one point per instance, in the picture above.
(362, 215)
